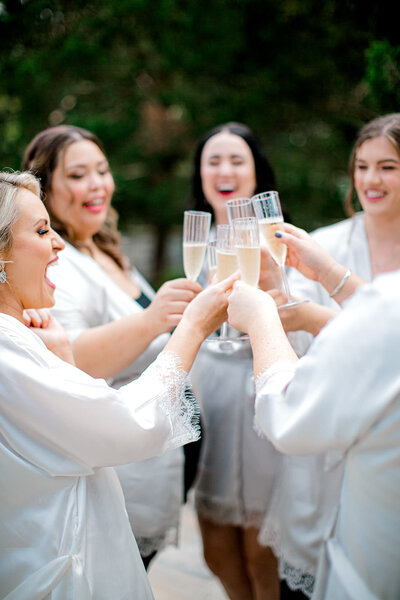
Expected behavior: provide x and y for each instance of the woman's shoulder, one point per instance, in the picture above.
(72, 256)
(17, 337)
(337, 233)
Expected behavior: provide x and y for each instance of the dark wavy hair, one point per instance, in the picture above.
(42, 156)
(265, 177)
(387, 126)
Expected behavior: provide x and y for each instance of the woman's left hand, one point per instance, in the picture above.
(50, 331)
(37, 317)
(248, 305)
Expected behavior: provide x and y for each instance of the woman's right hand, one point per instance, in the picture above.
(314, 262)
(304, 253)
(202, 316)
(208, 310)
(171, 300)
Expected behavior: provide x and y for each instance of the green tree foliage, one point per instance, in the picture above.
(151, 77)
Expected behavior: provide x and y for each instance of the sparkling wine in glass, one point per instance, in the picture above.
(212, 259)
(196, 228)
(247, 245)
(267, 208)
(226, 261)
(225, 252)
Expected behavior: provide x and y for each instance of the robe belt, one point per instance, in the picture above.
(40, 583)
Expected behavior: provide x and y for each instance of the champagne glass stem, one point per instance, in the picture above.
(285, 283)
(224, 330)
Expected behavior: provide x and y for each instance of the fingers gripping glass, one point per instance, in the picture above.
(268, 211)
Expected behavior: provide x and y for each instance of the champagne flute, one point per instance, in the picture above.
(212, 259)
(225, 252)
(239, 208)
(196, 228)
(226, 260)
(269, 214)
(247, 244)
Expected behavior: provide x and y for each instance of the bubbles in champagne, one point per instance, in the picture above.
(276, 248)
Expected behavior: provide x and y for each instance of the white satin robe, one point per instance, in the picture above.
(64, 530)
(309, 486)
(345, 396)
(87, 297)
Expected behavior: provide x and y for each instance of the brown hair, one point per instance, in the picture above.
(42, 157)
(387, 126)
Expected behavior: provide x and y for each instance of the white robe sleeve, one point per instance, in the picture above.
(67, 423)
(345, 382)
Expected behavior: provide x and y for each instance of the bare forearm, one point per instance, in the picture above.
(185, 342)
(269, 343)
(65, 353)
(336, 276)
(108, 349)
(308, 316)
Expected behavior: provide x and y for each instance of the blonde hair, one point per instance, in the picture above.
(10, 185)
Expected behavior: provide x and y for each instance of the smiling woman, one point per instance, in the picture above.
(34, 248)
(63, 523)
(82, 187)
(368, 245)
(237, 470)
(115, 321)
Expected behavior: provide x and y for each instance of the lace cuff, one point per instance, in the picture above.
(278, 377)
(177, 401)
(272, 381)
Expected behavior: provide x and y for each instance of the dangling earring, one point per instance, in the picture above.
(3, 274)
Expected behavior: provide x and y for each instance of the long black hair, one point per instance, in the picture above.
(265, 177)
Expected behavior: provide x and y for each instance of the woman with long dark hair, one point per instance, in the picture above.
(237, 469)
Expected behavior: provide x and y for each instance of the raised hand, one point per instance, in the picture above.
(248, 306)
(304, 253)
(170, 302)
(202, 316)
(208, 309)
(50, 331)
(308, 257)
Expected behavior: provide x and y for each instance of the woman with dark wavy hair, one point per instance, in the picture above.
(116, 322)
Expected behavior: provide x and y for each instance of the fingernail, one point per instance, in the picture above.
(278, 234)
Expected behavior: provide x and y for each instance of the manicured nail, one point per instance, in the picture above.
(278, 234)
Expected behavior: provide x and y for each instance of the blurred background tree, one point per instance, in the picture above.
(149, 78)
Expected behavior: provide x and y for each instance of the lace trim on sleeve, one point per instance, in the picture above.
(178, 402)
(280, 372)
(273, 381)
